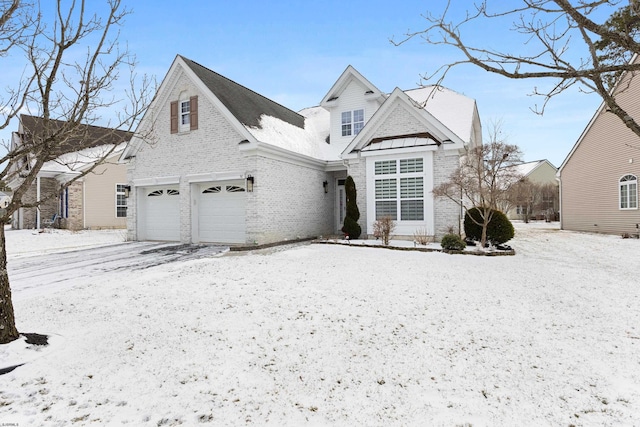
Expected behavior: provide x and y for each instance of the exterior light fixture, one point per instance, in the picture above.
(250, 182)
(127, 191)
(326, 186)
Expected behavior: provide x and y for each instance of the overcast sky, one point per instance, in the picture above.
(293, 51)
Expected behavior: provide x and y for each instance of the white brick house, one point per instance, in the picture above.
(227, 165)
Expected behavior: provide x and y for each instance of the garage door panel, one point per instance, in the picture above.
(221, 213)
(161, 213)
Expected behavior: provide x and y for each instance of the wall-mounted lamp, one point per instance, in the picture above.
(250, 181)
(127, 191)
(326, 186)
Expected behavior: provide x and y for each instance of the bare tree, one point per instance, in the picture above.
(564, 39)
(525, 196)
(72, 65)
(483, 177)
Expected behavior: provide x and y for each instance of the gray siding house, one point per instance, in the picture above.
(599, 177)
(225, 164)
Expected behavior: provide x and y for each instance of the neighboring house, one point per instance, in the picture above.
(228, 165)
(541, 173)
(599, 177)
(96, 200)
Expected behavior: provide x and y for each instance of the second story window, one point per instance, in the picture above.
(185, 109)
(352, 122)
(184, 115)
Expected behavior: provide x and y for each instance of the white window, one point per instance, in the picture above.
(121, 201)
(352, 122)
(400, 189)
(628, 192)
(185, 110)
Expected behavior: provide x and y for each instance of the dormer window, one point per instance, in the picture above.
(352, 122)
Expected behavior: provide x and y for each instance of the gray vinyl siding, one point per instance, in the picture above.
(607, 151)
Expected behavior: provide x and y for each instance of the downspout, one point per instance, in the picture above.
(38, 203)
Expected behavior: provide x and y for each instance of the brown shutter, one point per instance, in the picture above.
(193, 119)
(174, 117)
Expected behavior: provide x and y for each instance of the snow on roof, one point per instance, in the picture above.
(79, 160)
(452, 109)
(310, 141)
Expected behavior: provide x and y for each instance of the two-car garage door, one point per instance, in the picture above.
(220, 212)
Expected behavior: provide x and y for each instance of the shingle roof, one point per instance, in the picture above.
(246, 105)
(85, 136)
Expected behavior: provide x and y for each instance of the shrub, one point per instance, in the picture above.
(452, 242)
(383, 228)
(351, 227)
(499, 229)
(422, 236)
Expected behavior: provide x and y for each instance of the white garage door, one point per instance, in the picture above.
(221, 213)
(161, 213)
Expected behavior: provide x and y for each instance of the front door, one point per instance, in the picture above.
(341, 205)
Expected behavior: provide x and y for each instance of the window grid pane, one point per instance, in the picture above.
(386, 208)
(411, 188)
(358, 121)
(346, 123)
(633, 195)
(411, 165)
(412, 210)
(386, 189)
(385, 167)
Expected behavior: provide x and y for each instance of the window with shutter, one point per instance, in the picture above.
(174, 117)
(193, 112)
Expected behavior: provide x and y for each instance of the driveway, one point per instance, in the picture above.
(44, 273)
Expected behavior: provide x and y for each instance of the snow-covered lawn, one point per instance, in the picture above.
(339, 335)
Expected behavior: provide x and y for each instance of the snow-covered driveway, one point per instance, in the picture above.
(42, 273)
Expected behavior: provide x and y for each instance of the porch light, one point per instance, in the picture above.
(326, 186)
(127, 190)
(250, 181)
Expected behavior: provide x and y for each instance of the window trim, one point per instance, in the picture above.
(351, 123)
(624, 183)
(120, 192)
(396, 174)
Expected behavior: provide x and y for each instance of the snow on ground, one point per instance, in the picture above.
(29, 242)
(345, 335)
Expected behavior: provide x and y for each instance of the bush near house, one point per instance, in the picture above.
(499, 229)
(351, 227)
(452, 242)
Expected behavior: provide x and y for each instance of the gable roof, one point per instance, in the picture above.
(85, 136)
(451, 108)
(246, 105)
(525, 169)
(343, 81)
(437, 133)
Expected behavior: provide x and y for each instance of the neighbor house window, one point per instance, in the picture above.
(121, 201)
(352, 122)
(628, 192)
(184, 115)
(399, 191)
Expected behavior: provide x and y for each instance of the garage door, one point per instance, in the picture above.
(161, 213)
(221, 212)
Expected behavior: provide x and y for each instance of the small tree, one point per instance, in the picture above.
(383, 228)
(482, 178)
(525, 196)
(351, 227)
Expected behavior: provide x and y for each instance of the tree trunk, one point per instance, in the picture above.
(8, 331)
